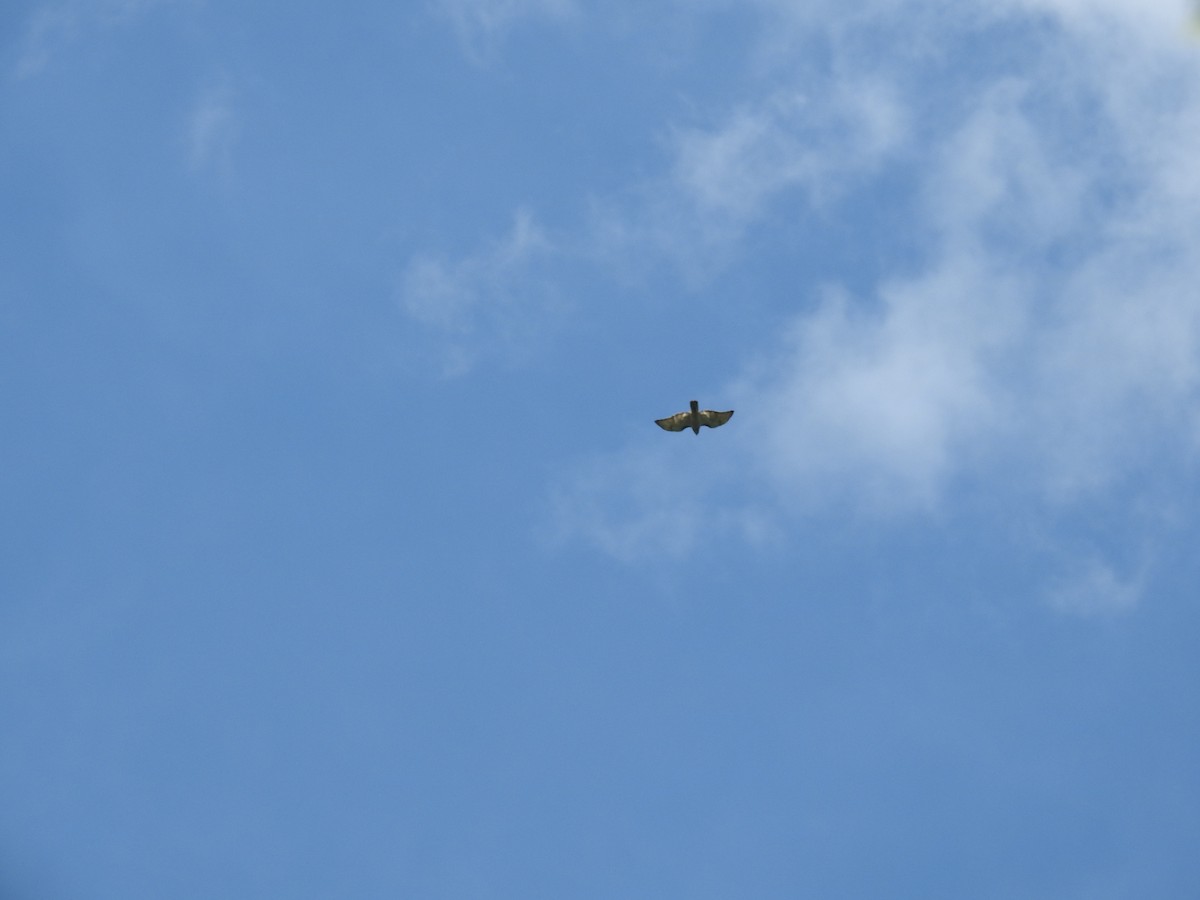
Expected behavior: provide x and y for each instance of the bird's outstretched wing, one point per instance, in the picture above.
(713, 419)
(677, 422)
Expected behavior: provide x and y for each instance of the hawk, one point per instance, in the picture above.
(694, 418)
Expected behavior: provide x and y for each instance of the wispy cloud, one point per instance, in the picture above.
(490, 304)
(643, 504)
(1156, 16)
(790, 140)
(212, 129)
(807, 146)
(52, 27)
(482, 24)
(1095, 589)
(49, 29)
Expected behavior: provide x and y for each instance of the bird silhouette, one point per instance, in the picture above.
(694, 418)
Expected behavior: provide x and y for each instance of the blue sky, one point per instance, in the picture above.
(341, 555)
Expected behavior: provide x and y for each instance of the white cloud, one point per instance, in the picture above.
(1049, 325)
(878, 407)
(994, 179)
(487, 304)
(1047, 334)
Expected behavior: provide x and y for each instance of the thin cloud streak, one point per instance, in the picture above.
(643, 504)
(49, 29)
(492, 304)
(212, 130)
(1095, 589)
(482, 24)
(53, 27)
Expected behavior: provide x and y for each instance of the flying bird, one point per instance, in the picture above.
(694, 418)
